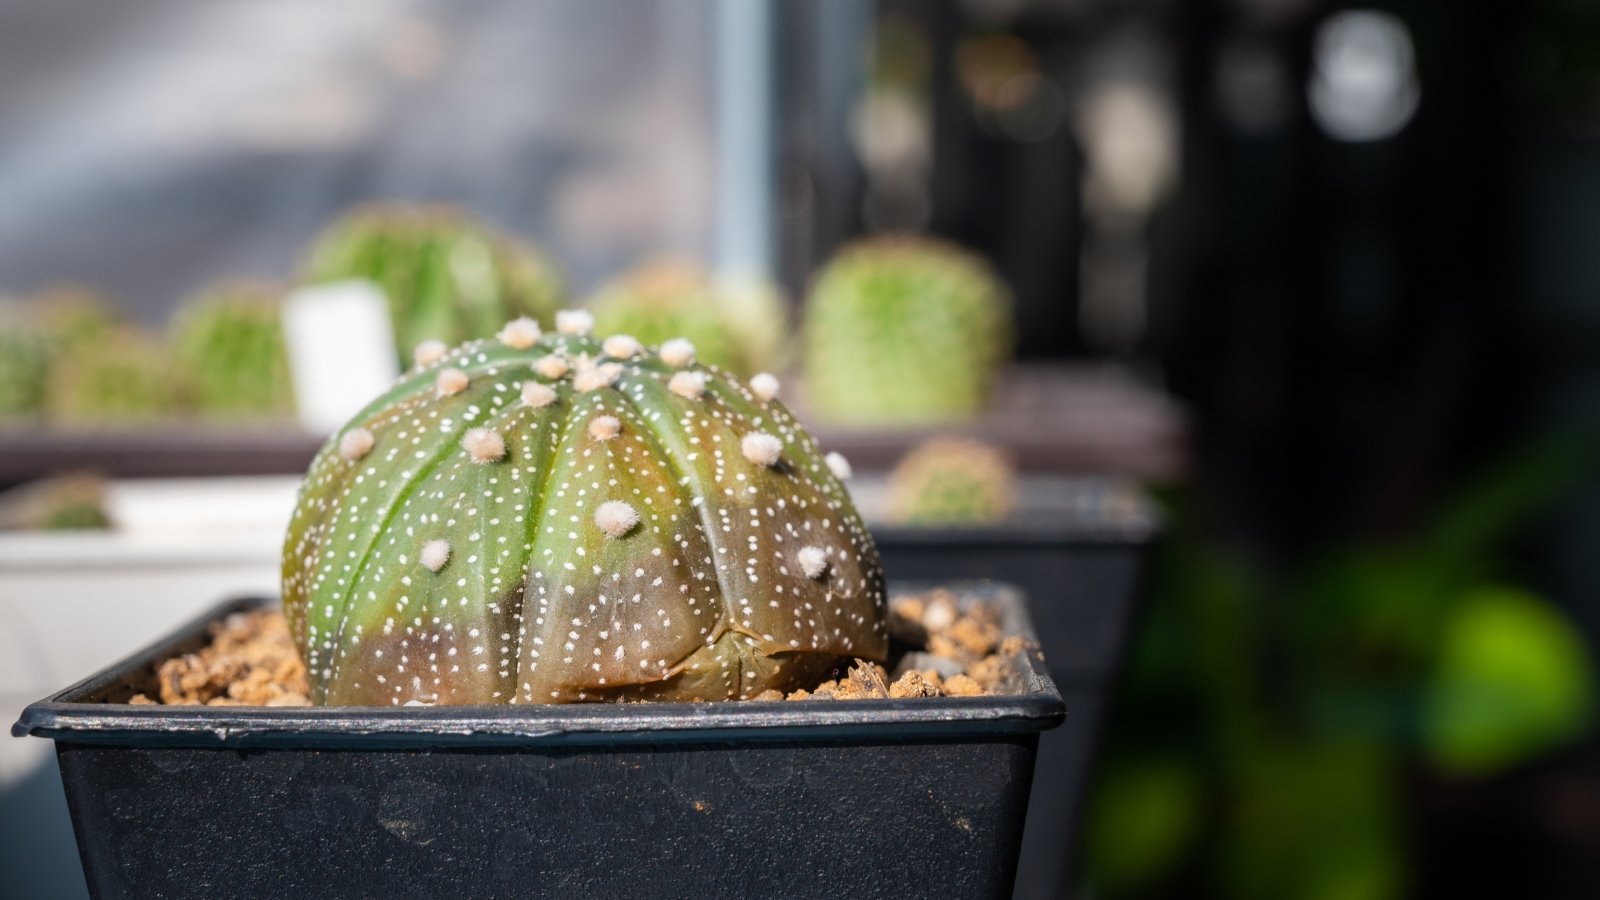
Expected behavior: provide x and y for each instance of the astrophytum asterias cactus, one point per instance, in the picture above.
(545, 518)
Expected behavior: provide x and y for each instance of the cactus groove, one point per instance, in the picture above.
(556, 533)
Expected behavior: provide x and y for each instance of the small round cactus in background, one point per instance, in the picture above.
(129, 379)
(229, 341)
(24, 363)
(626, 524)
(904, 330)
(739, 324)
(72, 502)
(951, 481)
(448, 277)
(35, 336)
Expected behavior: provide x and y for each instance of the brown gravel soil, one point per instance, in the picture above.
(251, 661)
(943, 648)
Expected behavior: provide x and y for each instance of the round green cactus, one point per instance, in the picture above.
(229, 341)
(554, 518)
(448, 277)
(740, 325)
(950, 481)
(903, 331)
(128, 379)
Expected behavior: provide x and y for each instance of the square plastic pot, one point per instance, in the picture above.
(1077, 548)
(916, 797)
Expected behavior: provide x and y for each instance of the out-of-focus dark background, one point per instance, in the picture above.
(1347, 252)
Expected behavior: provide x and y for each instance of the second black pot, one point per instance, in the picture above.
(1077, 547)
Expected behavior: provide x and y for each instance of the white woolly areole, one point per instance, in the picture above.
(604, 428)
(484, 445)
(622, 346)
(597, 377)
(761, 448)
(356, 443)
(677, 352)
(451, 382)
(520, 333)
(813, 561)
(688, 385)
(574, 321)
(839, 466)
(616, 518)
(537, 395)
(429, 352)
(435, 554)
(765, 386)
(551, 366)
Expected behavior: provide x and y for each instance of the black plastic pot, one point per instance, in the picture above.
(1077, 547)
(921, 797)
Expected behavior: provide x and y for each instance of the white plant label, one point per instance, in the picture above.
(341, 350)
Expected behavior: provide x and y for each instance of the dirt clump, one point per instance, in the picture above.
(956, 650)
(251, 661)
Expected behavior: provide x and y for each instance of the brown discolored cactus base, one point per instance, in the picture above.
(947, 646)
(728, 798)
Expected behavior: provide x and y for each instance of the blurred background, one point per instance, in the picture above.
(1310, 284)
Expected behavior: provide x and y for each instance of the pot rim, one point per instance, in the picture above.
(71, 716)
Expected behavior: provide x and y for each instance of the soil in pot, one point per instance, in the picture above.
(945, 645)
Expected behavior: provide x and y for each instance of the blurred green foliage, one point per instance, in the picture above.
(1263, 739)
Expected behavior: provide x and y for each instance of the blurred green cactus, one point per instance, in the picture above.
(547, 518)
(737, 324)
(73, 317)
(903, 330)
(128, 379)
(447, 276)
(24, 362)
(952, 481)
(37, 334)
(228, 340)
